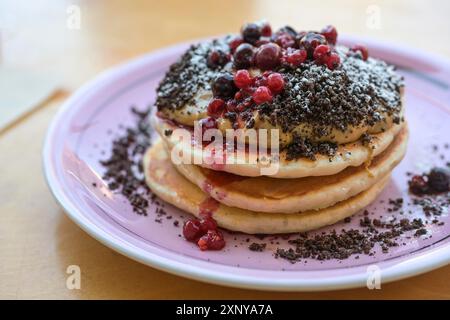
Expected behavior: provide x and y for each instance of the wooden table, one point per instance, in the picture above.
(37, 240)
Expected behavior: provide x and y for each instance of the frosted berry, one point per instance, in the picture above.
(223, 86)
(243, 56)
(251, 33)
(268, 56)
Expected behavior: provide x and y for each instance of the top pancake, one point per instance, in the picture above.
(348, 155)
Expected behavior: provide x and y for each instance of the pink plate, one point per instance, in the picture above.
(78, 138)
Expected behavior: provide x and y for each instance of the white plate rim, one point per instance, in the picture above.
(425, 262)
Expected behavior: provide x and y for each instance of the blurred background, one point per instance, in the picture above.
(49, 48)
(76, 39)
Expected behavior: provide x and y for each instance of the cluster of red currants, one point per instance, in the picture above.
(204, 232)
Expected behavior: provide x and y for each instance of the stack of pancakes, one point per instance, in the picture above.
(306, 192)
(260, 204)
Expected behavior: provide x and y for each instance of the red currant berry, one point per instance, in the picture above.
(262, 94)
(275, 82)
(285, 40)
(208, 223)
(321, 53)
(266, 30)
(212, 240)
(251, 32)
(362, 49)
(191, 230)
(243, 56)
(330, 33)
(268, 56)
(215, 107)
(418, 185)
(223, 86)
(217, 58)
(310, 41)
(296, 57)
(234, 43)
(242, 79)
(333, 61)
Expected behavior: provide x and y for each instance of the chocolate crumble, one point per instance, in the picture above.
(334, 245)
(124, 170)
(259, 247)
(303, 148)
(358, 93)
(188, 75)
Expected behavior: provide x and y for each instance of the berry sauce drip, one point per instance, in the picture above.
(216, 179)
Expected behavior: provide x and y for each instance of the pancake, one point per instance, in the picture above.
(267, 194)
(172, 187)
(348, 155)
